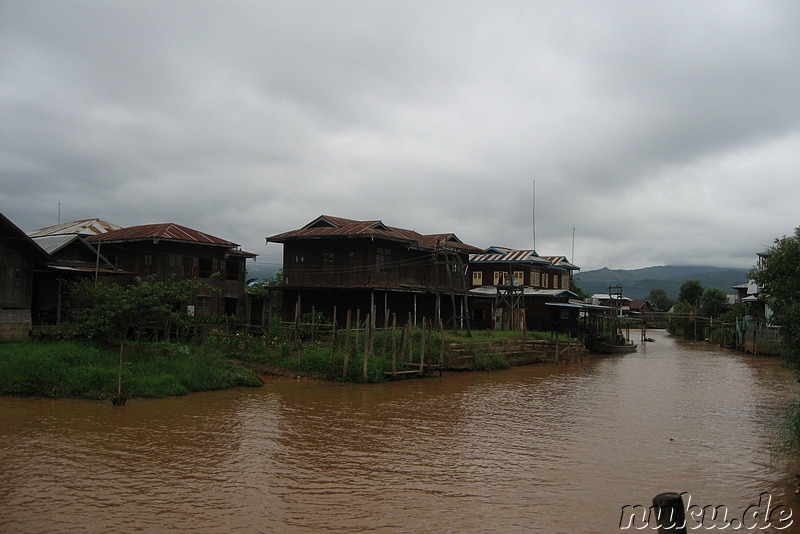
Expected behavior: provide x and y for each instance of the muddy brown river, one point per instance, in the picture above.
(547, 449)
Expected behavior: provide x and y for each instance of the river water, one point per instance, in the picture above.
(530, 449)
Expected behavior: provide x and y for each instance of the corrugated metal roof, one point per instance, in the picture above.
(489, 291)
(495, 254)
(53, 243)
(84, 227)
(169, 231)
(561, 261)
(515, 256)
(327, 226)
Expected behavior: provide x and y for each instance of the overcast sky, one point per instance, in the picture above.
(661, 132)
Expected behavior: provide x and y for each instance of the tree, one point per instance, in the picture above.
(691, 292)
(109, 312)
(582, 295)
(778, 277)
(660, 299)
(713, 303)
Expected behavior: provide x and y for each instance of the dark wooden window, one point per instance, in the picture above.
(203, 305)
(383, 260)
(232, 270)
(231, 305)
(205, 267)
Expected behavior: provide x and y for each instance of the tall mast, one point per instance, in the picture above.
(533, 215)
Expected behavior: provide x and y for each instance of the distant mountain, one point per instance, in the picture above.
(638, 283)
(261, 270)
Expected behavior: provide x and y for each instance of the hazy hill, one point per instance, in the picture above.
(261, 270)
(638, 283)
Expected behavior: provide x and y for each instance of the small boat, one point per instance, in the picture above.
(607, 347)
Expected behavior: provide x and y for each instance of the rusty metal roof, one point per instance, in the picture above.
(327, 226)
(167, 231)
(83, 227)
(506, 255)
(497, 254)
(561, 261)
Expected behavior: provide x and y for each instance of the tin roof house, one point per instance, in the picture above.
(355, 265)
(171, 251)
(516, 289)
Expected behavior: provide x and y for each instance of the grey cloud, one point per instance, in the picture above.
(246, 119)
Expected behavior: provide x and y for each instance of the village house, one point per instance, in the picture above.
(613, 301)
(642, 308)
(516, 289)
(21, 260)
(71, 258)
(170, 251)
(355, 265)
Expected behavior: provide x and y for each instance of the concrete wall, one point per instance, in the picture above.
(15, 324)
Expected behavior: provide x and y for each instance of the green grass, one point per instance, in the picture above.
(81, 369)
(74, 369)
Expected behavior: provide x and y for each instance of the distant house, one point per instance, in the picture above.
(354, 265)
(170, 251)
(71, 258)
(503, 266)
(642, 308)
(619, 302)
(515, 289)
(20, 262)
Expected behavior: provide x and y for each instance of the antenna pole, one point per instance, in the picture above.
(533, 215)
(572, 258)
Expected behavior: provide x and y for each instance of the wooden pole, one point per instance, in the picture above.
(358, 325)
(394, 345)
(422, 348)
(313, 324)
(367, 342)
(346, 345)
(669, 513)
(333, 343)
(297, 327)
(466, 316)
(441, 347)
(406, 335)
(385, 330)
(410, 355)
(119, 400)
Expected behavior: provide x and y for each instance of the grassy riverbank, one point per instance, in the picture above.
(82, 369)
(76, 369)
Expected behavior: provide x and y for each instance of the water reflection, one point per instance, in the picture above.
(550, 449)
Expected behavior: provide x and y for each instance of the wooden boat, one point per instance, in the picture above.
(607, 347)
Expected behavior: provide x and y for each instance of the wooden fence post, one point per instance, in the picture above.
(403, 340)
(441, 347)
(394, 345)
(346, 345)
(369, 339)
(422, 349)
(297, 327)
(358, 325)
(313, 324)
(333, 343)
